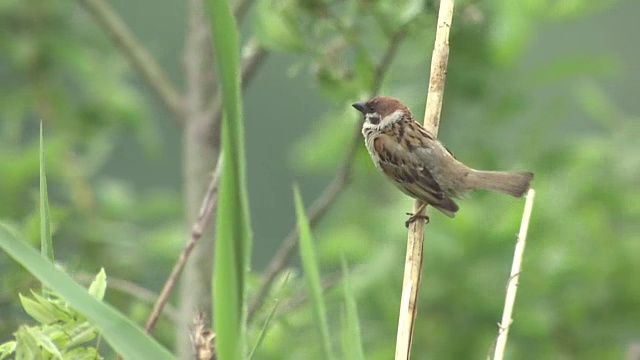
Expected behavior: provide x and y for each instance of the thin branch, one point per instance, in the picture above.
(200, 151)
(137, 55)
(413, 261)
(512, 285)
(208, 205)
(240, 8)
(253, 55)
(324, 202)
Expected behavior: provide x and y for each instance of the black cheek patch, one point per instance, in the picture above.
(374, 119)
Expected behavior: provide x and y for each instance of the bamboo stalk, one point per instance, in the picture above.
(415, 236)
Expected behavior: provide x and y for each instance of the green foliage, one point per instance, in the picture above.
(58, 68)
(126, 338)
(497, 116)
(233, 234)
(512, 101)
(263, 331)
(312, 274)
(62, 332)
(46, 242)
(351, 341)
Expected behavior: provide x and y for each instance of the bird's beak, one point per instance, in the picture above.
(360, 107)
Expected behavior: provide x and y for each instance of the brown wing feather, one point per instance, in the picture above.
(398, 162)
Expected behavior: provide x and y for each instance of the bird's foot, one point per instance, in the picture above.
(414, 217)
(417, 215)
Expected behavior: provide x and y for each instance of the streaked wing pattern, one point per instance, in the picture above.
(406, 169)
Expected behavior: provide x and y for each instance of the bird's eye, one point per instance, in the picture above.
(370, 107)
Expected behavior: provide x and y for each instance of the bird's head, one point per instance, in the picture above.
(382, 111)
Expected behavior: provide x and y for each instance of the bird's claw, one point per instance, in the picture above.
(414, 217)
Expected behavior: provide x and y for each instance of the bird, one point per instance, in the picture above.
(420, 166)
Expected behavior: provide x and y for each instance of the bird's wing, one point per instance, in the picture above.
(405, 168)
(400, 161)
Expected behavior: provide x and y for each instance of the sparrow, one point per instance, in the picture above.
(419, 165)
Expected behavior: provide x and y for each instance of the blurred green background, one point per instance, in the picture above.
(546, 86)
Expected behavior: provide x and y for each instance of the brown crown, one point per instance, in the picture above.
(385, 105)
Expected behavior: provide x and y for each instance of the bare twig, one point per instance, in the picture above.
(253, 55)
(512, 285)
(240, 8)
(413, 261)
(208, 204)
(322, 204)
(136, 54)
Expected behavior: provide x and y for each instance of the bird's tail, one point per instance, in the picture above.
(514, 183)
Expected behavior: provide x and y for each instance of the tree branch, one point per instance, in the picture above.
(200, 152)
(206, 209)
(137, 55)
(324, 202)
(201, 146)
(413, 262)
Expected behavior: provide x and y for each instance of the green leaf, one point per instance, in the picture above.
(46, 243)
(7, 349)
(40, 309)
(312, 273)
(126, 338)
(44, 342)
(351, 340)
(263, 331)
(26, 345)
(233, 235)
(82, 354)
(99, 285)
(80, 333)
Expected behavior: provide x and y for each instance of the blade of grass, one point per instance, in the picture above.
(312, 273)
(46, 243)
(125, 337)
(351, 340)
(263, 331)
(265, 328)
(233, 235)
